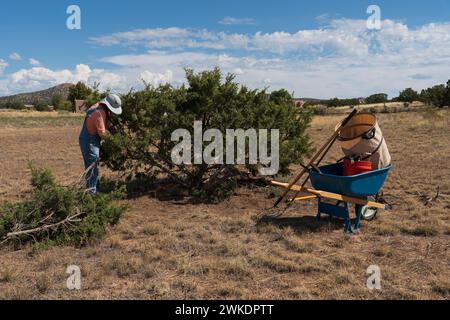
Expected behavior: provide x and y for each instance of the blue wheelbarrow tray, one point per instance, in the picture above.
(362, 186)
(359, 186)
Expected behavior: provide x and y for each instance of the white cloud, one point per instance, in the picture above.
(38, 78)
(341, 77)
(341, 37)
(157, 78)
(341, 58)
(141, 35)
(34, 62)
(174, 38)
(3, 65)
(238, 71)
(237, 21)
(15, 56)
(323, 18)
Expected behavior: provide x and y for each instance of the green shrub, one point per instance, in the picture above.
(408, 95)
(151, 115)
(58, 214)
(321, 110)
(66, 106)
(41, 106)
(377, 98)
(336, 102)
(436, 96)
(12, 104)
(57, 100)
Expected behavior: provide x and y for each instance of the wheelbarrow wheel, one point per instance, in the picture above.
(369, 213)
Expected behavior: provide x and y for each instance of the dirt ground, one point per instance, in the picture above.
(170, 249)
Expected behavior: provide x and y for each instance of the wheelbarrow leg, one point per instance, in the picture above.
(319, 212)
(348, 226)
(358, 212)
(338, 210)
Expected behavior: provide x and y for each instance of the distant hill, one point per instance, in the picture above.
(43, 95)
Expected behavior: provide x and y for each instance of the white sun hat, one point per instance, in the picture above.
(113, 103)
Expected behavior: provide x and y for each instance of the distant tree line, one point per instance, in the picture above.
(57, 102)
(437, 96)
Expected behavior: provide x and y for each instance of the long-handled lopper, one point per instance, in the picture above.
(322, 151)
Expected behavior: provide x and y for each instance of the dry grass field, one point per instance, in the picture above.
(165, 249)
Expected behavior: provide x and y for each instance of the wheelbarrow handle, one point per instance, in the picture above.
(347, 120)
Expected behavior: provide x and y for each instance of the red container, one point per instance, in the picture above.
(356, 167)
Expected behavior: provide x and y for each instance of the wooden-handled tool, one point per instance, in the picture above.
(330, 195)
(326, 147)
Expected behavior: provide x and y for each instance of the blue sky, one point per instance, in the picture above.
(313, 48)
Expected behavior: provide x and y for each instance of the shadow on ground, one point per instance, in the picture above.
(302, 225)
(166, 189)
(162, 189)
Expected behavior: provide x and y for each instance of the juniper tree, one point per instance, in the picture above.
(151, 115)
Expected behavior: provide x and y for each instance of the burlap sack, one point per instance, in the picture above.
(362, 138)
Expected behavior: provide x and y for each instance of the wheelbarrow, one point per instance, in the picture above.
(329, 184)
(362, 186)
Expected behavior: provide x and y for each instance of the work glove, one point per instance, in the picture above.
(113, 130)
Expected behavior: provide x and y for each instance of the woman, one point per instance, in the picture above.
(97, 121)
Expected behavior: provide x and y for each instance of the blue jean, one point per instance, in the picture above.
(91, 154)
